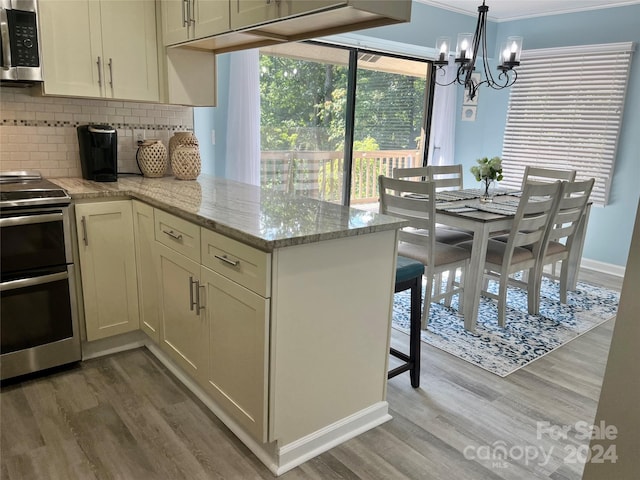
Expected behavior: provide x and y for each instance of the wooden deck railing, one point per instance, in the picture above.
(319, 174)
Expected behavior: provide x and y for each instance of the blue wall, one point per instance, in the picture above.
(610, 228)
(206, 119)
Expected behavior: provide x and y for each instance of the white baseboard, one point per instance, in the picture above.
(118, 343)
(609, 268)
(298, 452)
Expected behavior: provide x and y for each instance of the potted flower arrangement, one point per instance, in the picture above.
(486, 172)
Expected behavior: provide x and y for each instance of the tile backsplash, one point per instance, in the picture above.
(39, 133)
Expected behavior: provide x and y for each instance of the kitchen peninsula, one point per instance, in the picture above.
(273, 309)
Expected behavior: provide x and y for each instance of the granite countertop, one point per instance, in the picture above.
(259, 217)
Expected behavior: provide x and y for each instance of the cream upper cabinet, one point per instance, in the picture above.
(108, 267)
(246, 13)
(184, 20)
(104, 48)
(297, 7)
(70, 47)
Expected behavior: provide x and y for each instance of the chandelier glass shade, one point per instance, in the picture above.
(467, 50)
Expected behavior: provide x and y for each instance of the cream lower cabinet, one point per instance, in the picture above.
(238, 332)
(143, 227)
(212, 324)
(100, 48)
(183, 326)
(108, 267)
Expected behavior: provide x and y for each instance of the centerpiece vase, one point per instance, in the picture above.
(487, 190)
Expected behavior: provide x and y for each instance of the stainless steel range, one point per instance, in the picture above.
(39, 321)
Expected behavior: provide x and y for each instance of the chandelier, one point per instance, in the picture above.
(467, 52)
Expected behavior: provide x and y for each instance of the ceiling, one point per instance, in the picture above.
(505, 10)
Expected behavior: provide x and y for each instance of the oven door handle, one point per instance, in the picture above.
(31, 219)
(33, 281)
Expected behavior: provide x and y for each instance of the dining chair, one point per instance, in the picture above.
(415, 202)
(522, 249)
(539, 174)
(562, 237)
(446, 177)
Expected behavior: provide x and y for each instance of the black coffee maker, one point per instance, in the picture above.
(98, 152)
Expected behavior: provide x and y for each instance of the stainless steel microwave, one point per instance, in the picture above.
(19, 42)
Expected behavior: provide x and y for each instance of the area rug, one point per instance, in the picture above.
(525, 337)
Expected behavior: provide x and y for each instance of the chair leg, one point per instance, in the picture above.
(533, 300)
(564, 274)
(451, 277)
(427, 301)
(461, 288)
(502, 299)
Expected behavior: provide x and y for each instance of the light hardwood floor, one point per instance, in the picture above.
(126, 417)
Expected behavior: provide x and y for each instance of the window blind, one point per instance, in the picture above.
(565, 112)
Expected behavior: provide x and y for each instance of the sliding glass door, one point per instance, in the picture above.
(334, 118)
(389, 121)
(302, 103)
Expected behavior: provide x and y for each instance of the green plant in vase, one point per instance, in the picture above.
(487, 171)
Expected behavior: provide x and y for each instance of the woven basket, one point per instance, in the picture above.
(185, 162)
(181, 138)
(152, 158)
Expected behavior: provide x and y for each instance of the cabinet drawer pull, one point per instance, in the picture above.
(174, 235)
(224, 258)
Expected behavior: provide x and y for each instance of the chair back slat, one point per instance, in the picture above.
(571, 209)
(411, 173)
(420, 211)
(446, 177)
(546, 175)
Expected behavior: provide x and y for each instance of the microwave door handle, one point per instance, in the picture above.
(6, 45)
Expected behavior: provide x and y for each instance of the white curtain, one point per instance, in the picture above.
(443, 127)
(243, 121)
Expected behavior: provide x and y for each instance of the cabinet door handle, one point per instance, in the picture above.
(185, 5)
(174, 235)
(99, 62)
(198, 298)
(192, 302)
(111, 73)
(190, 10)
(233, 263)
(85, 236)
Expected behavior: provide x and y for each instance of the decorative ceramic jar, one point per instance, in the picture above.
(152, 158)
(185, 162)
(181, 138)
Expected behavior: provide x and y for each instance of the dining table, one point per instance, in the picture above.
(464, 209)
